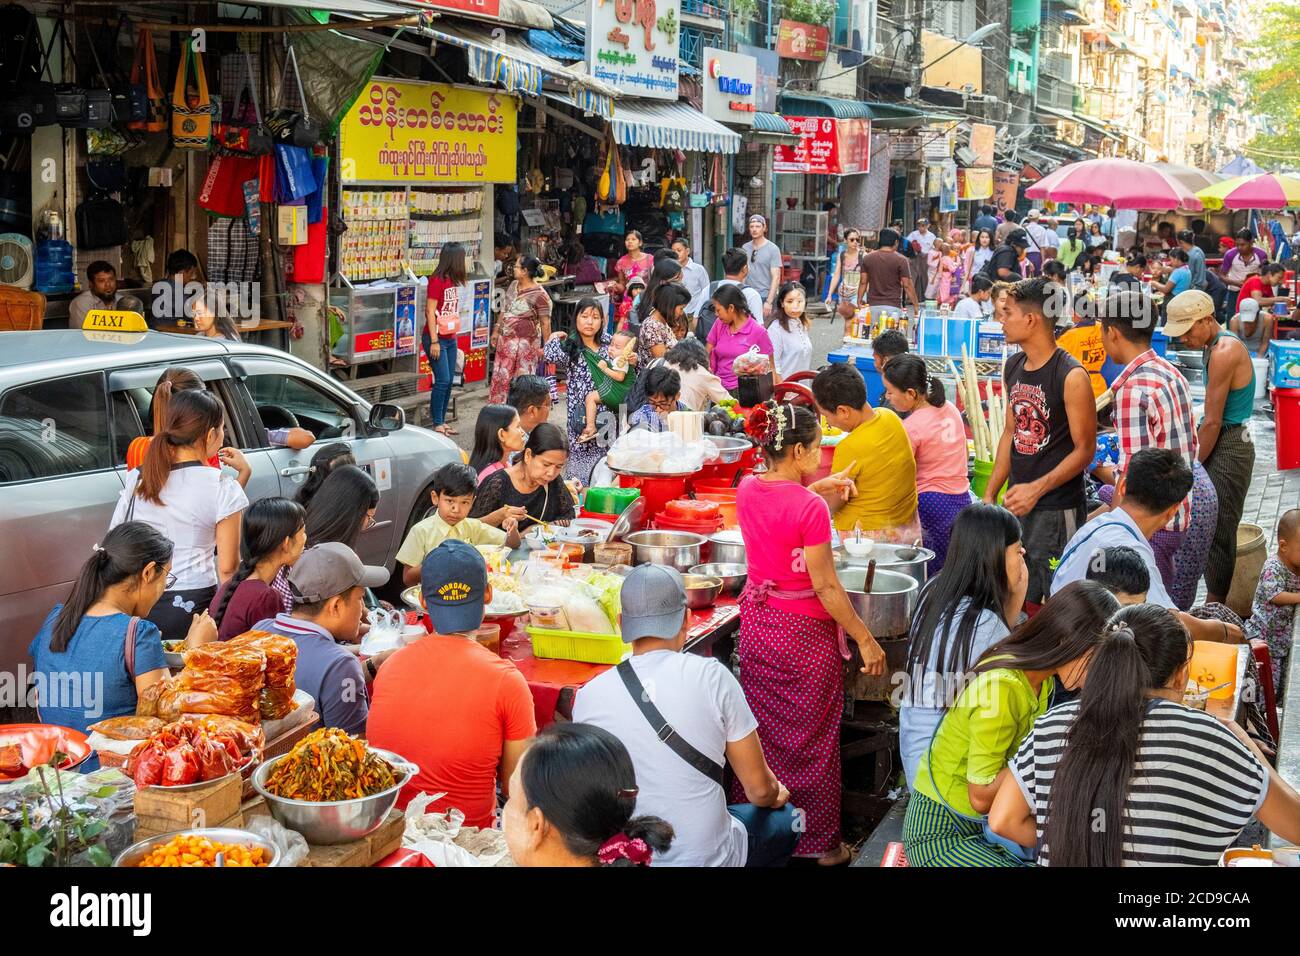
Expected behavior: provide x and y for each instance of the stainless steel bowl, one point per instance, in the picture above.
(137, 851)
(675, 549)
(730, 448)
(733, 576)
(701, 591)
(727, 547)
(338, 821)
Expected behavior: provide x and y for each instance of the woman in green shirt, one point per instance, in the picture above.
(968, 755)
(1072, 247)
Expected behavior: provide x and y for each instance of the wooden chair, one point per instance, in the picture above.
(21, 310)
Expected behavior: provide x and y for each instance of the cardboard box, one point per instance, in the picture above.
(146, 827)
(291, 225)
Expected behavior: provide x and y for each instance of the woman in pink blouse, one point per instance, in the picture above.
(938, 437)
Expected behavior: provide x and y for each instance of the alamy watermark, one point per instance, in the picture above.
(233, 300)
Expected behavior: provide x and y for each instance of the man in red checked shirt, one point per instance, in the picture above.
(1153, 409)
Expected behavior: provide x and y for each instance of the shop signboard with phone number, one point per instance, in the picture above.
(399, 131)
(829, 147)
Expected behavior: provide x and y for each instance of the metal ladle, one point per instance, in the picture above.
(908, 554)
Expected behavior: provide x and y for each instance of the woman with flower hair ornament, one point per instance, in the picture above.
(796, 621)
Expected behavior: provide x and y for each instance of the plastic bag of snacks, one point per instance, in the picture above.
(752, 362)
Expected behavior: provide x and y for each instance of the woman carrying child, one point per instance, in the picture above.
(578, 357)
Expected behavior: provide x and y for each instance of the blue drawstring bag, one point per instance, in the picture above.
(293, 173)
(315, 201)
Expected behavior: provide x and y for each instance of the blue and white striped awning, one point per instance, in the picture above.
(670, 125)
(507, 60)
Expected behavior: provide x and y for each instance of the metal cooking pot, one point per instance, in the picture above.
(675, 549)
(727, 547)
(887, 610)
(887, 559)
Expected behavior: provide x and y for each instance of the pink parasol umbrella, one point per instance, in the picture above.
(1122, 183)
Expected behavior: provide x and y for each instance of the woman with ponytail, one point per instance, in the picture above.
(1127, 775)
(275, 533)
(194, 506)
(938, 437)
(571, 803)
(966, 762)
(99, 637)
(796, 622)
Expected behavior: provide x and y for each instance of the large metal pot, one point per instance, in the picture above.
(727, 547)
(325, 823)
(887, 559)
(675, 549)
(887, 610)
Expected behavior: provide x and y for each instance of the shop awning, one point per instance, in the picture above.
(816, 104)
(771, 129)
(508, 60)
(670, 125)
(365, 9)
(771, 123)
(1076, 118)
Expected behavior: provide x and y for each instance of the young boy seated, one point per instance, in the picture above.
(1273, 615)
(453, 494)
(1122, 572)
(621, 347)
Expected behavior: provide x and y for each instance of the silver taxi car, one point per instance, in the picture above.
(71, 402)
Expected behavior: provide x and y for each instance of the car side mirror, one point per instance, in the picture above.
(386, 417)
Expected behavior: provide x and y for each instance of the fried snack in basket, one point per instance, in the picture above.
(281, 655)
(181, 701)
(227, 659)
(328, 765)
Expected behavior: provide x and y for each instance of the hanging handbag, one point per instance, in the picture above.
(146, 85)
(124, 103)
(289, 126)
(191, 117)
(77, 107)
(252, 139)
(222, 192)
(101, 222)
(293, 174)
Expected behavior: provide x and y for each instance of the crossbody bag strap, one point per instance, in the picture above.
(664, 730)
(129, 649)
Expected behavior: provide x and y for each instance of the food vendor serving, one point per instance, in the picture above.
(794, 618)
(534, 482)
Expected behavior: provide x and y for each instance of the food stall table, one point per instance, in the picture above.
(1229, 707)
(554, 683)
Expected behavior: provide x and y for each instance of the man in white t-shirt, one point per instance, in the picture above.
(977, 305)
(683, 717)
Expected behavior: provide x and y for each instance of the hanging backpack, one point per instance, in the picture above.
(191, 118)
(26, 100)
(101, 219)
(291, 127)
(239, 136)
(146, 86)
(127, 102)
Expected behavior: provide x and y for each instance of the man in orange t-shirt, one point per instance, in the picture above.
(447, 703)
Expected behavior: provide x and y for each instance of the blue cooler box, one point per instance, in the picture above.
(959, 332)
(1284, 355)
(864, 364)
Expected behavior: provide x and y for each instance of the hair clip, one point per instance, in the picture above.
(628, 793)
(97, 547)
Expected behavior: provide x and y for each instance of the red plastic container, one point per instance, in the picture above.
(1286, 401)
(666, 522)
(584, 513)
(655, 492)
(689, 509)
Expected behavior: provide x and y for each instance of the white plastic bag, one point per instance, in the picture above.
(752, 362)
(650, 453)
(291, 843)
(446, 841)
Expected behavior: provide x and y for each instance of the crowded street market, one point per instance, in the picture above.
(675, 434)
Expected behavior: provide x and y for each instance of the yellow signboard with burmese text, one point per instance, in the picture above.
(400, 131)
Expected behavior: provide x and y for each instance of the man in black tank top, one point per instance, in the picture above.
(1050, 434)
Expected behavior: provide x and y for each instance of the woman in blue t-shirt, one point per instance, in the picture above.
(1179, 278)
(90, 662)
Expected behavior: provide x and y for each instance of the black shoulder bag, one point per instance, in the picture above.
(664, 730)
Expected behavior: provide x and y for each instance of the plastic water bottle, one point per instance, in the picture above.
(52, 270)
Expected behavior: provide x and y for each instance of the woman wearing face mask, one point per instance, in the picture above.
(795, 620)
(573, 802)
(788, 330)
(1179, 784)
(102, 629)
(525, 323)
(195, 506)
(966, 762)
(535, 482)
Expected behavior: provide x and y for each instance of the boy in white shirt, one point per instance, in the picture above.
(977, 305)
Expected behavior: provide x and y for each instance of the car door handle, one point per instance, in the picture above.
(379, 524)
(295, 470)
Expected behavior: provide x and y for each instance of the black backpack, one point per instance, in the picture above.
(704, 321)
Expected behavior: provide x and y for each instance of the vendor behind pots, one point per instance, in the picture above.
(329, 583)
(535, 482)
(457, 710)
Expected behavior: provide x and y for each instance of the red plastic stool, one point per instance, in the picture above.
(894, 855)
(1264, 661)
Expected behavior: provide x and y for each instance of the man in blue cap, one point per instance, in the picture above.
(681, 717)
(447, 703)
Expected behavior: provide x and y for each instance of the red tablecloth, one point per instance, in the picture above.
(548, 679)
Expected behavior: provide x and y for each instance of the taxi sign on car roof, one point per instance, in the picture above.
(113, 320)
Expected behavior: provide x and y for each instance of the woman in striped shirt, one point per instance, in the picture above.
(1178, 785)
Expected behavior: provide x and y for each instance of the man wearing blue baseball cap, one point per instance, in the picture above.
(447, 703)
(681, 717)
